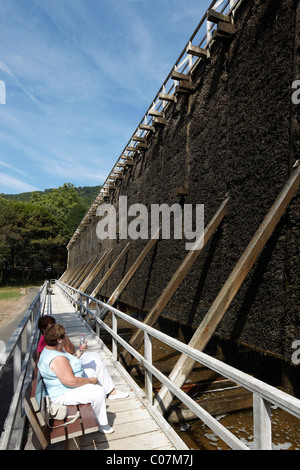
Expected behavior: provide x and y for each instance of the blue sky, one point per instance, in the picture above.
(79, 76)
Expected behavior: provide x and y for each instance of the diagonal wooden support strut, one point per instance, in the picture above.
(70, 275)
(95, 271)
(110, 271)
(78, 273)
(117, 292)
(185, 365)
(137, 339)
(84, 273)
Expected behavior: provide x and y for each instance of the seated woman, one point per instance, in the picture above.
(91, 361)
(68, 382)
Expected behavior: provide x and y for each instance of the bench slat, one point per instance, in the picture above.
(88, 420)
(57, 434)
(73, 429)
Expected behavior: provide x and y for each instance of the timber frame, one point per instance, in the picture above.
(218, 309)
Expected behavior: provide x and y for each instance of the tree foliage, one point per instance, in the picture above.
(34, 235)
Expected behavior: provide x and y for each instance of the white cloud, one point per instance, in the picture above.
(10, 167)
(15, 184)
(7, 70)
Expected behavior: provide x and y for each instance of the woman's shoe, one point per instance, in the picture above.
(118, 395)
(106, 429)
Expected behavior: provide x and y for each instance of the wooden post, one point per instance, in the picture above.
(76, 274)
(63, 276)
(84, 273)
(179, 276)
(71, 273)
(117, 292)
(185, 365)
(85, 284)
(110, 271)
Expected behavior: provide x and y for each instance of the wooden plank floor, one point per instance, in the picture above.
(135, 428)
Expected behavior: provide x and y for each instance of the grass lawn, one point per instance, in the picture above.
(10, 293)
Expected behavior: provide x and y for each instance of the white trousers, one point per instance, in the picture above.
(94, 366)
(95, 394)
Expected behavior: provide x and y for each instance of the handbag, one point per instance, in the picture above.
(59, 412)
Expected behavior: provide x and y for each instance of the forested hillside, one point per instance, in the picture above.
(35, 229)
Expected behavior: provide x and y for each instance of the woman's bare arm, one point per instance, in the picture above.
(62, 368)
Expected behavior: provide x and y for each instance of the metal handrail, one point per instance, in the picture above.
(264, 395)
(21, 354)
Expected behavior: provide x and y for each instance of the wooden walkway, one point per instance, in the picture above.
(135, 427)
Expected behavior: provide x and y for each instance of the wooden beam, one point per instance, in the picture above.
(179, 76)
(215, 406)
(184, 86)
(138, 138)
(181, 191)
(110, 271)
(76, 273)
(153, 112)
(142, 146)
(84, 273)
(69, 273)
(217, 310)
(147, 127)
(137, 339)
(117, 292)
(196, 51)
(85, 284)
(83, 269)
(216, 17)
(224, 30)
(117, 176)
(166, 97)
(161, 121)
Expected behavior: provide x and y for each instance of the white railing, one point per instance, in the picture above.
(264, 395)
(201, 38)
(18, 351)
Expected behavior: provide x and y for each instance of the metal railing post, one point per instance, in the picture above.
(148, 375)
(80, 304)
(262, 423)
(98, 329)
(17, 362)
(114, 341)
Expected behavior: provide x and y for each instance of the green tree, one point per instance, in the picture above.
(60, 202)
(36, 227)
(37, 240)
(8, 233)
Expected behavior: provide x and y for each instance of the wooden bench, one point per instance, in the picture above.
(35, 408)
